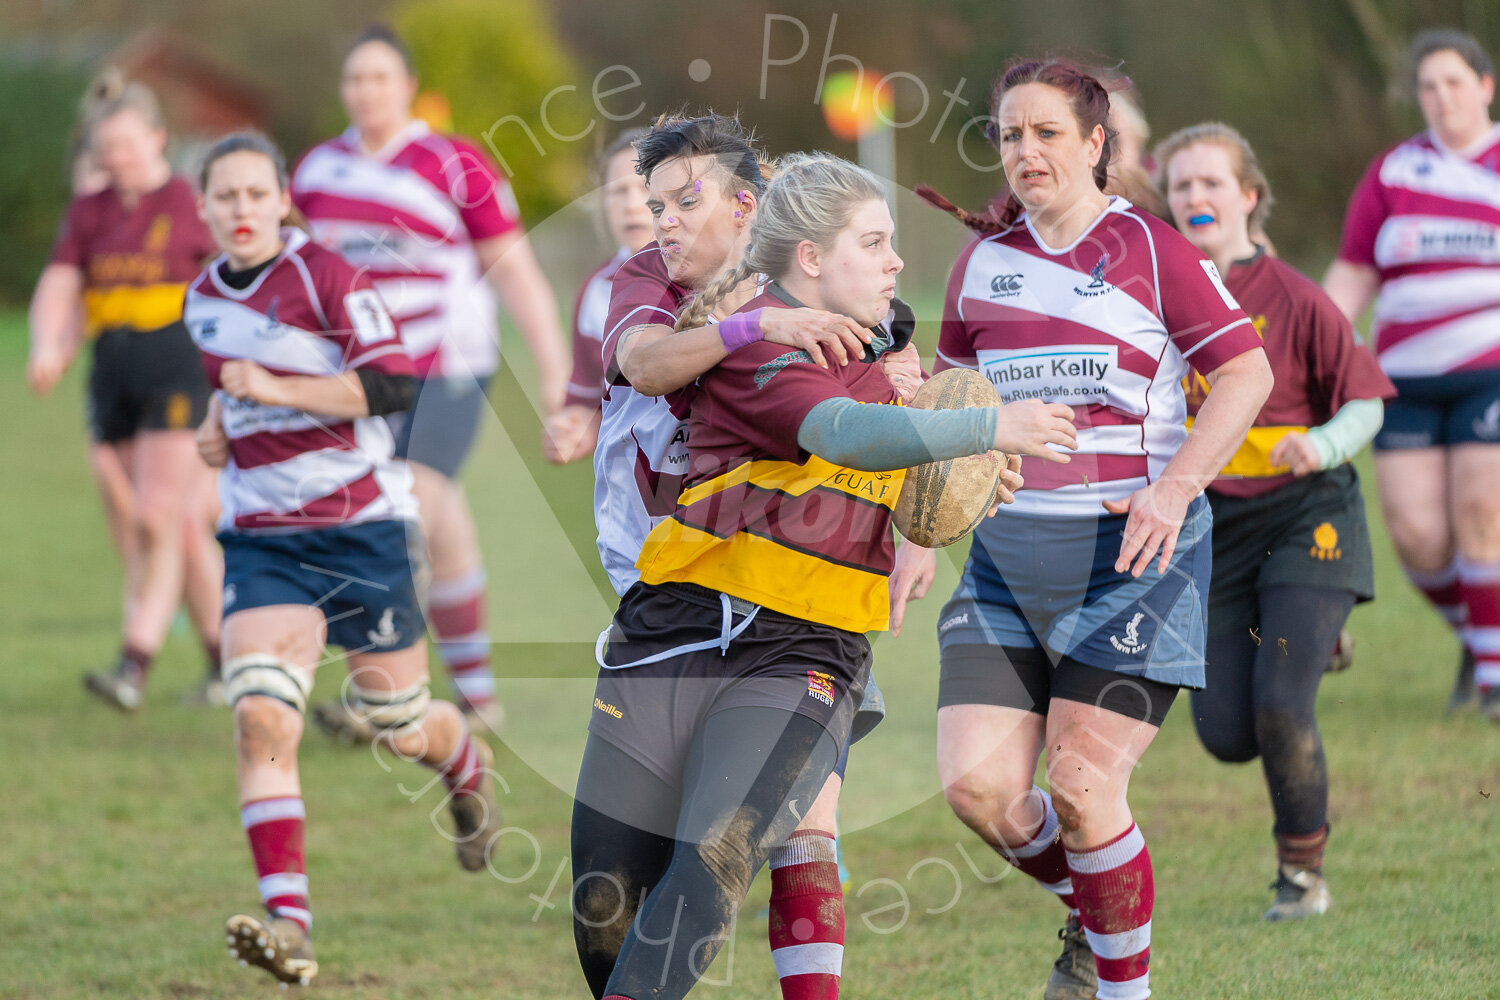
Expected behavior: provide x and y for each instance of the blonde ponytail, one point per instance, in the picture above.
(696, 314)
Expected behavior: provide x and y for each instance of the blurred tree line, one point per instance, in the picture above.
(1318, 86)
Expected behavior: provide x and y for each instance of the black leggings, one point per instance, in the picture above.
(651, 909)
(1260, 699)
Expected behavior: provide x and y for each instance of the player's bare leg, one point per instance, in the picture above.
(388, 691)
(109, 462)
(1091, 753)
(987, 756)
(271, 653)
(162, 465)
(203, 580)
(457, 596)
(1416, 504)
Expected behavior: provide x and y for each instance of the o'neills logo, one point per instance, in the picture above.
(608, 709)
(772, 368)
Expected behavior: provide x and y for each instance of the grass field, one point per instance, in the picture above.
(121, 851)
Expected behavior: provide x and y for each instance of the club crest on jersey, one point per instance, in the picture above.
(208, 329)
(1004, 286)
(273, 328)
(1096, 285)
(772, 368)
(1132, 642)
(385, 633)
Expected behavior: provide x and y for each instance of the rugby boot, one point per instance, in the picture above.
(1343, 654)
(1489, 703)
(123, 688)
(208, 694)
(1300, 892)
(280, 946)
(335, 719)
(1074, 975)
(1463, 685)
(476, 816)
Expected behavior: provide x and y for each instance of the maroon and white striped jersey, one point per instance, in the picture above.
(308, 313)
(1108, 326)
(409, 215)
(1428, 220)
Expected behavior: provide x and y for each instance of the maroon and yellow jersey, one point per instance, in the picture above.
(136, 262)
(1318, 365)
(762, 519)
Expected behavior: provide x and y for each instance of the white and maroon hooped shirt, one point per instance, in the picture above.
(409, 215)
(308, 313)
(1108, 326)
(1428, 220)
(642, 453)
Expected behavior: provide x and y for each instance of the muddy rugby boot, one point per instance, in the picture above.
(1074, 975)
(1463, 685)
(280, 946)
(122, 688)
(1300, 892)
(476, 816)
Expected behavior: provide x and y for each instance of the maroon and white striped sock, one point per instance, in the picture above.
(1302, 850)
(275, 829)
(1443, 592)
(1115, 892)
(1042, 855)
(456, 610)
(1479, 583)
(807, 916)
(461, 771)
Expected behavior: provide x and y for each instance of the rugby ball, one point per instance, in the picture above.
(941, 502)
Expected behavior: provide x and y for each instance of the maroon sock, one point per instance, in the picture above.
(1116, 892)
(135, 662)
(806, 928)
(275, 829)
(461, 771)
(1042, 856)
(1479, 583)
(1302, 850)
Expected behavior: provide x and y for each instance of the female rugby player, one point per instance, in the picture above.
(1419, 242)
(126, 253)
(730, 676)
(436, 227)
(705, 176)
(316, 522)
(1291, 549)
(1080, 612)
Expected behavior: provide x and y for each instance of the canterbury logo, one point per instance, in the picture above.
(1002, 285)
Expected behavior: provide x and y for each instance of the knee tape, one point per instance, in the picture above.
(265, 675)
(393, 713)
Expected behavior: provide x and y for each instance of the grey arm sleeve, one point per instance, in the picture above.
(875, 438)
(1349, 430)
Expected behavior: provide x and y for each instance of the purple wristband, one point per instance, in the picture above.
(740, 329)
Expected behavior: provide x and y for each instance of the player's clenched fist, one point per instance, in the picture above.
(1030, 425)
(213, 443)
(247, 380)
